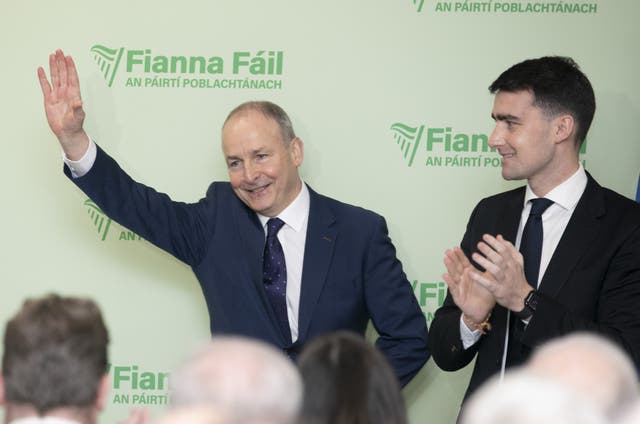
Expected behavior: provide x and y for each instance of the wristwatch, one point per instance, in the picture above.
(530, 305)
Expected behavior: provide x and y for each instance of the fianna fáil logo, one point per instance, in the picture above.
(408, 139)
(103, 224)
(99, 219)
(443, 147)
(145, 68)
(108, 60)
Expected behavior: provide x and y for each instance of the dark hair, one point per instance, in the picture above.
(558, 86)
(348, 381)
(271, 111)
(55, 353)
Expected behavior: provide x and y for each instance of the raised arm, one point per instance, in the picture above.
(63, 104)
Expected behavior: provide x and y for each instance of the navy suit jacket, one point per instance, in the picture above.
(350, 270)
(592, 282)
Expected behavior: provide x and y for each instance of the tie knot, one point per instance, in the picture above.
(538, 206)
(273, 226)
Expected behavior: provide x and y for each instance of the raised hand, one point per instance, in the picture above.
(474, 300)
(63, 104)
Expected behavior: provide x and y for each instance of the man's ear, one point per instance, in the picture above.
(102, 392)
(565, 128)
(297, 151)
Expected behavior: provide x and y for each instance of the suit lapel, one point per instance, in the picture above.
(253, 238)
(577, 237)
(318, 251)
(507, 224)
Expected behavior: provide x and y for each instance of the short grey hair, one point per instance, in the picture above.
(269, 110)
(248, 380)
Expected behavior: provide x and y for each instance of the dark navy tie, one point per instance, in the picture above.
(531, 242)
(275, 275)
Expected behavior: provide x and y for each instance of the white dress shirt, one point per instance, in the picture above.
(554, 221)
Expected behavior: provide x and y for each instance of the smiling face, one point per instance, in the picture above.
(528, 140)
(263, 169)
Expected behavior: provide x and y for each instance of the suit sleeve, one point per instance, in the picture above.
(176, 227)
(445, 342)
(612, 282)
(393, 307)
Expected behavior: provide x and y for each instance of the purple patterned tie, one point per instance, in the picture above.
(274, 275)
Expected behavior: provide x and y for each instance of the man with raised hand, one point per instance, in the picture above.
(275, 260)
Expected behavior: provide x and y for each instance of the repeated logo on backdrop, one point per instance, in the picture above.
(102, 224)
(132, 385)
(146, 68)
(430, 296)
(546, 7)
(422, 145)
(444, 147)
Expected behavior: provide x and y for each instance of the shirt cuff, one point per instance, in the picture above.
(83, 165)
(467, 336)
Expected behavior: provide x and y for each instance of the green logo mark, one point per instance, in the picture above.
(100, 220)
(408, 138)
(430, 296)
(419, 3)
(133, 386)
(108, 61)
(261, 69)
(444, 147)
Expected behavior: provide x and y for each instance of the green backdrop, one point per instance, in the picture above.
(390, 98)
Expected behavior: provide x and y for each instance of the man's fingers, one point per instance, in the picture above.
(452, 283)
(489, 253)
(461, 257)
(73, 75)
(452, 263)
(53, 71)
(482, 280)
(44, 84)
(486, 264)
(62, 68)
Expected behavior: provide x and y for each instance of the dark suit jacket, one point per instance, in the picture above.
(350, 270)
(592, 282)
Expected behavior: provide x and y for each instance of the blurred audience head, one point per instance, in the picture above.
(524, 398)
(590, 365)
(243, 380)
(55, 360)
(348, 381)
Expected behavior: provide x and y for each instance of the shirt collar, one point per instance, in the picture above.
(296, 213)
(567, 194)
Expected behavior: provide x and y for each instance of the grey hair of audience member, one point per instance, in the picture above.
(246, 380)
(591, 365)
(524, 398)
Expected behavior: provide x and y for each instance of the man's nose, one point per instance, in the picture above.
(497, 137)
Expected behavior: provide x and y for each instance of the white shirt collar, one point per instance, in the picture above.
(567, 194)
(296, 213)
